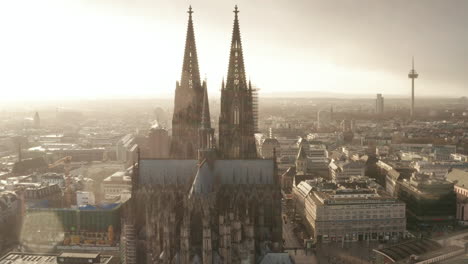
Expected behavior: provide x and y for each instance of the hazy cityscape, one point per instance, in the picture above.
(298, 153)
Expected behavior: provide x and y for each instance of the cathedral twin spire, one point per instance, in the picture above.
(191, 120)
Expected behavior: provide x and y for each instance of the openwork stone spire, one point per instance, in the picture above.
(236, 126)
(188, 101)
(190, 70)
(236, 79)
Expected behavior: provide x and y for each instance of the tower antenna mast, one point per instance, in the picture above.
(412, 75)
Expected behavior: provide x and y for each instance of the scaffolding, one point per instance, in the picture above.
(255, 107)
(128, 244)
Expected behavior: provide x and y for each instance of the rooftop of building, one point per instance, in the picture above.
(52, 175)
(422, 249)
(178, 172)
(399, 164)
(272, 141)
(44, 258)
(118, 177)
(63, 147)
(427, 185)
(354, 191)
(79, 255)
(348, 164)
(428, 179)
(37, 186)
(458, 177)
(280, 258)
(22, 167)
(106, 206)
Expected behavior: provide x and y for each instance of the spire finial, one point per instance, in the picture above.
(190, 12)
(236, 10)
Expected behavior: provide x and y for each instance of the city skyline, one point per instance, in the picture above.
(235, 132)
(133, 49)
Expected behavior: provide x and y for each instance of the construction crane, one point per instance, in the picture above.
(65, 161)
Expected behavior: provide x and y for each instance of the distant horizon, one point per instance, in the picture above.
(269, 95)
(94, 49)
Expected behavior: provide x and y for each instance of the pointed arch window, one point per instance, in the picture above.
(236, 151)
(209, 141)
(236, 115)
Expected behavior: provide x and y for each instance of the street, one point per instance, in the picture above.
(294, 247)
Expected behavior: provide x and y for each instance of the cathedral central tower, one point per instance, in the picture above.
(188, 101)
(236, 122)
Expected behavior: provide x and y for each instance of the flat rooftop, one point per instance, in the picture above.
(39, 258)
(79, 255)
(404, 250)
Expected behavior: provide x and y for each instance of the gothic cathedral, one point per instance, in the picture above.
(208, 203)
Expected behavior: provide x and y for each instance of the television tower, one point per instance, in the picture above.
(412, 75)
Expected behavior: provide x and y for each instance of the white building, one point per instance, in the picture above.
(85, 198)
(116, 184)
(459, 157)
(342, 171)
(313, 161)
(53, 178)
(335, 212)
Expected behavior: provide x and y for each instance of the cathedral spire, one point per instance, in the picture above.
(206, 119)
(188, 101)
(206, 149)
(190, 69)
(236, 72)
(236, 127)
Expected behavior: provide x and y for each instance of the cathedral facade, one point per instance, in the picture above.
(221, 204)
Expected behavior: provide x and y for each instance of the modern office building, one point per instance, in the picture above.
(379, 104)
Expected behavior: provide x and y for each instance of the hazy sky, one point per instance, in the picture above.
(134, 48)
